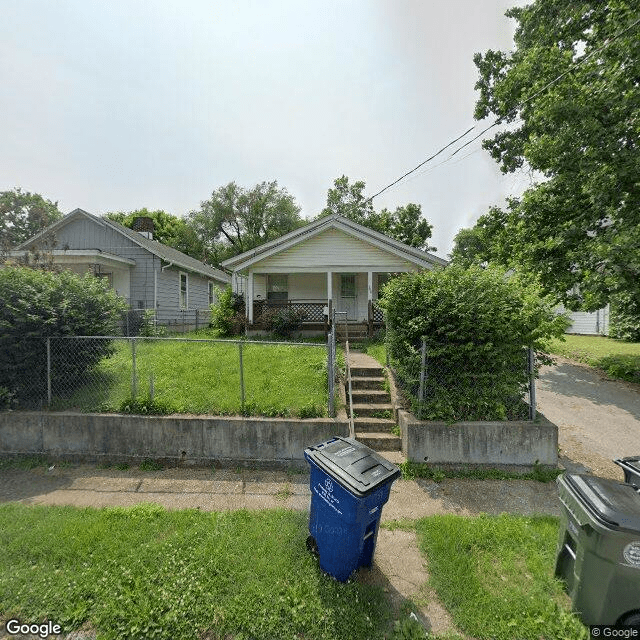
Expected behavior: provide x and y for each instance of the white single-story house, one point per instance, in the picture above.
(330, 264)
(146, 273)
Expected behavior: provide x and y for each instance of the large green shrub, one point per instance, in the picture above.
(478, 324)
(625, 317)
(36, 305)
(228, 312)
(283, 322)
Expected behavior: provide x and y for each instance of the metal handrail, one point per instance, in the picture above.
(352, 430)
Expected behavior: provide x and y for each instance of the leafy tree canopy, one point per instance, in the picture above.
(470, 247)
(580, 224)
(168, 229)
(405, 224)
(22, 215)
(234, 219)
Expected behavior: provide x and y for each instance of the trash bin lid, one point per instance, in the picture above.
(615, 504)
(355, 466)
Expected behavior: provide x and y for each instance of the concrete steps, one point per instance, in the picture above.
(358, 331)
(372, 406)
(380, 441)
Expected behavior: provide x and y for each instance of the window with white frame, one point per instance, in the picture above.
(277, 287)
(184, 290)
(212, 292)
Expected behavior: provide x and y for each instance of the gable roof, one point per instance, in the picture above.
(333, 221)
(164, 252)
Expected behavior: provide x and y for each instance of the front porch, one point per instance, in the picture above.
(352, 297)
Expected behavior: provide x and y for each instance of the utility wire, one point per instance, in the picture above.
(511, 112)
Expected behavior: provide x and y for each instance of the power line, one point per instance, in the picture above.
(511, 112)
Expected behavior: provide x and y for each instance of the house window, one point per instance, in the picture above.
(278, 287)
(212, 293)
(184, 291)
(348, 286)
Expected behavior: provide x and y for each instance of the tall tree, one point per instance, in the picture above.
(234, 219)
(572, 84)
(168, 229)
(405, 224)
(22, 215)
(470, 247)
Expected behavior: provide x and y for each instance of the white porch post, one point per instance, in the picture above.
(329, 286)
(250, 296)
(369, 286)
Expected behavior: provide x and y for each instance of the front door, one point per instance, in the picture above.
(348, 299)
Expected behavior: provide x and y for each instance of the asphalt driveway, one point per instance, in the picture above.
(598, 419)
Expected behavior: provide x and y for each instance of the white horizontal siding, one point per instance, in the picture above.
(594, 323)
(333, 249)
(308, 286)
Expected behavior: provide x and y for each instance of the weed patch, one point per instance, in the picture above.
(413, 470)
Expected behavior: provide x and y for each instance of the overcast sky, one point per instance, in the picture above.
(118, 105)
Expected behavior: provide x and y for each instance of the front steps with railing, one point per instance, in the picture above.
(372, 406)
(353, 331)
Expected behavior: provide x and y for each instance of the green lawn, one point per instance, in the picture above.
(204, 378)
(144, 573)
(494, 575)
(616, 358)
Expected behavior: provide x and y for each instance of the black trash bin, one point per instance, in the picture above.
(350, 483)
(599, 548)
(631, 468)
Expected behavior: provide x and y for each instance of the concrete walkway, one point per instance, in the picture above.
(225, 489)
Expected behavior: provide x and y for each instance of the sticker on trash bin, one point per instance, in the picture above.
(631, 553)
(324, 490)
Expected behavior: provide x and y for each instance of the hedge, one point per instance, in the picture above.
(478, 324)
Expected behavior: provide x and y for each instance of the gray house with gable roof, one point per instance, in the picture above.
(146, 273)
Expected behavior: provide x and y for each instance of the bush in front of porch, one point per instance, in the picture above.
(477, 324)
(228, 313)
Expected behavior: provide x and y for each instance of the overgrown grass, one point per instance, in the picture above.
(494, 575)
(616, 358)
(412, 470)
(204, 378)
(144, 572)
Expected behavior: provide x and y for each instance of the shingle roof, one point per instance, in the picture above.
(168, 254)
(337, 221)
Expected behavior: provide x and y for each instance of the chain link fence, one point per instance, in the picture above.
(136, 322)
(171, 375)
(460, 388)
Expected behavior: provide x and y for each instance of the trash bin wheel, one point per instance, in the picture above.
(312, 546)
(631, 620)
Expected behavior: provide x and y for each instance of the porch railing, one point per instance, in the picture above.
(313, 309)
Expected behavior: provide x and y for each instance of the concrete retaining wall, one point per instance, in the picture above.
(195, 440)
(520, 443)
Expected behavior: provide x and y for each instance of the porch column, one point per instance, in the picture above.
(329, 286)
(250, 296)
(370, 303)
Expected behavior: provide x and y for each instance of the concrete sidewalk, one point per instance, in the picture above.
(227, 489)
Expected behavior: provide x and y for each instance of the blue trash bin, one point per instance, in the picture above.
(350, 483)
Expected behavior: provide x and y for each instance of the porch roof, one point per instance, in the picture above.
(420, 258)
